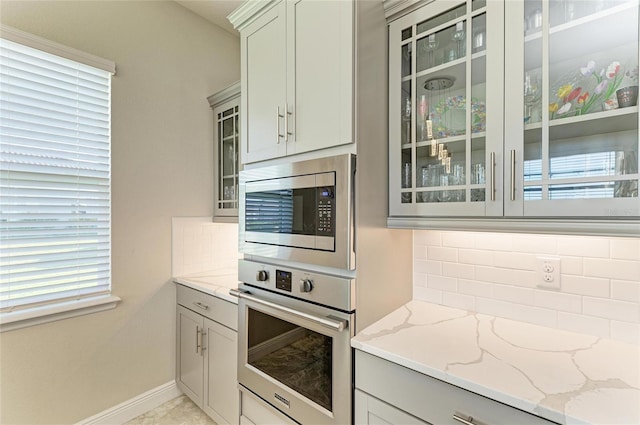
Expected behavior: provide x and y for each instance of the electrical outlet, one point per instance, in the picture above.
(549, 272)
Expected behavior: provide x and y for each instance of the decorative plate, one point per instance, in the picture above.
(449, 116)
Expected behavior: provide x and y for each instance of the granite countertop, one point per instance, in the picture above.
(212, 282)
(562, 376)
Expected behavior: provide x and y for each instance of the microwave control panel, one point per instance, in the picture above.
(326, 211)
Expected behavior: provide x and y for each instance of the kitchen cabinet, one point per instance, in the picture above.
(226, 113)
(297, 76)
(523, 132)
(369, 410)
(390, 393)
(206, 355)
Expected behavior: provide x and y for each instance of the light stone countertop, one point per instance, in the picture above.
(562, 376)
(213, 282)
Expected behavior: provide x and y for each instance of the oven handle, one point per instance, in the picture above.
(334, 325)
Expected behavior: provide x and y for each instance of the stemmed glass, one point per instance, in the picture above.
(459, 37)
(429, 45)
(531, 96)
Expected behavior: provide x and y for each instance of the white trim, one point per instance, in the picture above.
(248, 11)
(578, 226)
(50, 313)
(135, 406)
(224, 95)
(17, 36)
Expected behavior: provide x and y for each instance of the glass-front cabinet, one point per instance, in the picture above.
(445, 114)
(542, 122)
(226, 114)
(572, 146)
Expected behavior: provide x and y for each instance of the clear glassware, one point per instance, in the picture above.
(459, 38)
(532, 97)
(429, 46)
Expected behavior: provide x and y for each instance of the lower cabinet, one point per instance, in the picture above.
(387, 393)
(206, 355)
(370, 410)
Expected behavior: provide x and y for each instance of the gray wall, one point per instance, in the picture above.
(168, 60)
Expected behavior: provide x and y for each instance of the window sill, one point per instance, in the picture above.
(39, 315)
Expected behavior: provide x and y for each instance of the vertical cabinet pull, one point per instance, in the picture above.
(493, 176)
(197, 339)
(286, 122)
(278, 116)
(513, 175)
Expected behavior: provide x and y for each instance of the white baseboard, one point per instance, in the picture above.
(134, 407)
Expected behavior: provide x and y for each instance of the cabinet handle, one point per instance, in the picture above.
(197, 339)
(287, 133)
(513, 175)
(493, 176)
(278, 116)
(466, 420)
(200, 305)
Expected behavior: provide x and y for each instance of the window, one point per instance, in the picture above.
(55, 196)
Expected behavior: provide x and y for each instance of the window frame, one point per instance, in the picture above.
(65, 308)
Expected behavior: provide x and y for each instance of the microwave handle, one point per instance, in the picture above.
(332, 324)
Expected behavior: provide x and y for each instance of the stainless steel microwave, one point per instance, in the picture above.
(301, 212)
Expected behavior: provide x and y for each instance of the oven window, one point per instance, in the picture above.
(297, 357)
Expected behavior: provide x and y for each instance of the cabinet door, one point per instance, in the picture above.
(320, 40)
(445, 110)
(572, 115)
(371, 411)
(189, 359)
(227, 138)
(263, 75)
(221, 395)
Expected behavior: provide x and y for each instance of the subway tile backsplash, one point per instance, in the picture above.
(497, 274)
(199, 244)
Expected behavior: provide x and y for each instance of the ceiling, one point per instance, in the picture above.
(215, 11)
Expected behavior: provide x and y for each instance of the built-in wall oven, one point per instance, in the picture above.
(294, 334)
(301, 212)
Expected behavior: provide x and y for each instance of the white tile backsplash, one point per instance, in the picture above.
(496, 273)
(199, 244)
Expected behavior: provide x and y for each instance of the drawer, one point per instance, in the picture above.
(214, 308)
(255, 411)
(430, 399)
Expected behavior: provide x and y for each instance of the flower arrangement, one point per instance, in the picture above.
(578, 100)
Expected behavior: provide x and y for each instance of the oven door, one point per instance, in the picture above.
(296, 356)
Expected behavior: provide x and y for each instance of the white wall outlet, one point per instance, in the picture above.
(549, 272)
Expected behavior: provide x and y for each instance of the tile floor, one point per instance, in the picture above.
(179, 411)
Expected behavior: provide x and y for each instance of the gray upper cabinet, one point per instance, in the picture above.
(297, 76)
(226, 114)
(537, 131)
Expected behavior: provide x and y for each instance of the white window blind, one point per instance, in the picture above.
(55, 201)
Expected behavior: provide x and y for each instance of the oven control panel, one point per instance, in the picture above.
(321, 288)
(283, 280)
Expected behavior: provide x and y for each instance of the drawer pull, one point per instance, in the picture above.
(466, 420)
(202, 306)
